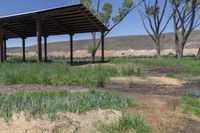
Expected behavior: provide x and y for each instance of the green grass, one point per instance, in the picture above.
(61, 74)
(191, 105)
(189, 66)
(125, 124)
(38, 104)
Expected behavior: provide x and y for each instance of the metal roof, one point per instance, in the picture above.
(55, 21)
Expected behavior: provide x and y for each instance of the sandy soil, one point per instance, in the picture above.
(158, 102)
(64, 123)
(164, 114)
(111, 53)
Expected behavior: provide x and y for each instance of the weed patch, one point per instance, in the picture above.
(39, 103)
(60, 74)
(125, 124)
(191, 105)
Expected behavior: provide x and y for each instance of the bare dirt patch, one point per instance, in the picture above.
(164, 114)
(160, 71)
(158, 99)
(152, 85)
(64, 123)
(28, 88)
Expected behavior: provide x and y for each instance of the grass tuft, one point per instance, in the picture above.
(191, 105)
(125, 124)
(189, 67)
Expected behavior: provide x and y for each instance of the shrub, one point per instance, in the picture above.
(90, 48)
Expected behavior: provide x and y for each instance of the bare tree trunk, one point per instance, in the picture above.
(158, 49)
(94, 44)
(179, 51)
(198, 54)
(158, 52)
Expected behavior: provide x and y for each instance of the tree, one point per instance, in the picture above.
(198, 54)
(105, 16)
(185, 21)
(153, 21)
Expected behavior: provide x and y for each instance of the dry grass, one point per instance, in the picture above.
(110, 53)
(64, 123)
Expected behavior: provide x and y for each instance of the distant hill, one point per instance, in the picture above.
(139, 42)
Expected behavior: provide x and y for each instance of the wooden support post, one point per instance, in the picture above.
(23, 49)
(5, 49)
(71, 49)
(102, 46)
(39, 37)
(45, 48)
(1, 46)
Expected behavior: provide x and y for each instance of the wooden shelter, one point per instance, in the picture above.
(70, 20)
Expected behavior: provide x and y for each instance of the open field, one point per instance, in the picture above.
(110, 53)
(121, 46)
(127, 94)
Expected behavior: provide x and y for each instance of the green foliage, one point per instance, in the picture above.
(170, 75)
(88, 4)
(60, 74)
(130, 70)
(127, 5)
(91, 48)
(125, 124)
(189, 66)
(177, 2)
(191, 105)
(105, 15)
(38, 104)
(151, 10)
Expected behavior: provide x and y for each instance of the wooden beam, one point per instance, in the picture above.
(67, 29)
(28, 25)
(13, 31)
(45, 48)
(60, 11)
(71, 49)
(39, 37)
(1, 46)
(5, 49)
(89, 18)
(102, 46)
(23, 49)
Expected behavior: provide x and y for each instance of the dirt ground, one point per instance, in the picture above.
(64, 123)
(158, 101)
(157, 98)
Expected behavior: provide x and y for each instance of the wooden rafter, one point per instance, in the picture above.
(89, 18)
(13, 31)
(63, 20)
(67, 29)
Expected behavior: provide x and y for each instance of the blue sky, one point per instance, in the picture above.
(132, 25)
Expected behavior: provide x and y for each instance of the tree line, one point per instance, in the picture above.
(156, 15)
